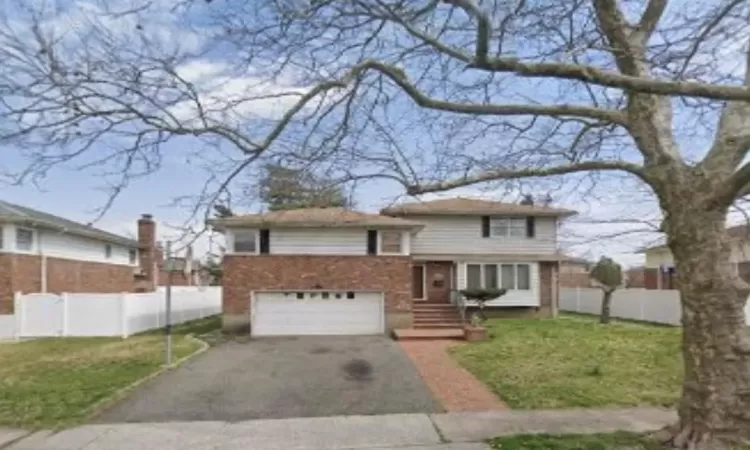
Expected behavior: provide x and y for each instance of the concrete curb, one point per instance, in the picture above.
(99, 407)
(9, 437)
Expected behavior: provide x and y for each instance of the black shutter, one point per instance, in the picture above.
(485, 226)
(372, 242)
(530, 227)
(265, 241)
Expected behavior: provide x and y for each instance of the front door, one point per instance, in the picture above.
(417, 282)
(439, 281)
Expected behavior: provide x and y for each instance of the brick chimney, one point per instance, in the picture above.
(147, 250)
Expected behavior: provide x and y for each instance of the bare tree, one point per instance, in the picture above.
(433, 95)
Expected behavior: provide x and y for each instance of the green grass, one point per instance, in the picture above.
(575, 362)
(54, 382)
(575, 442)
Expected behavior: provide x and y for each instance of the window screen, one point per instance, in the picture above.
(24, 239)
(244, 241)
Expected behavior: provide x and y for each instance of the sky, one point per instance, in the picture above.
(615, 219)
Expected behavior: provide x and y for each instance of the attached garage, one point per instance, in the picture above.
(297, 313)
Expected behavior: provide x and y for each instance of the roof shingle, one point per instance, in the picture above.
(10, 212)
(314, 217)
(464, 206)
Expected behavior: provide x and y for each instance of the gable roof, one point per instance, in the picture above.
(10, 212)
(464, 206)
(313, 218)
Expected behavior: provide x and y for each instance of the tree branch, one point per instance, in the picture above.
(650, 18)
(509, 174)
(594, 75)
(484, 27)
(399, 77)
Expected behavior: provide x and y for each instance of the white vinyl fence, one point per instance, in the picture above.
(40, 315)
(658, 306)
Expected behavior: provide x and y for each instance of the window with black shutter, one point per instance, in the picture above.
(372, 242)
(265, 241)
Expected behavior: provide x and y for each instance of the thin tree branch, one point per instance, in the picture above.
(510, 174)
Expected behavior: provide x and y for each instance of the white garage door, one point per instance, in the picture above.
(323, 313)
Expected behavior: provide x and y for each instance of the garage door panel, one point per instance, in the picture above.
(277, 314)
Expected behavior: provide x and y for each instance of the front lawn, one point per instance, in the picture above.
(612, 441)
(54, 382)
(575, 362)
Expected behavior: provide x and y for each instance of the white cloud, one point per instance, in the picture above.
(226, 93)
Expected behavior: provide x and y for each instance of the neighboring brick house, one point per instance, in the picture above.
(574, 272)
(41, 252)
(336, 271)
(660, 273)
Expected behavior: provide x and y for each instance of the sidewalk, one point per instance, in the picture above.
(450, 431)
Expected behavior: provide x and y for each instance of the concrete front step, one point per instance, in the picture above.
(441, 319)
(428, 333)
(438, 325)
(431, 315)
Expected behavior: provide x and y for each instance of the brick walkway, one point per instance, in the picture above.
(452, 385)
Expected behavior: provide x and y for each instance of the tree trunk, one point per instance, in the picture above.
(714, 410)
(606, 306)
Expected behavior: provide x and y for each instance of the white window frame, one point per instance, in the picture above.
(514, 223)
(133, 256)
(33, 238)
(245, 230)
(401, 240)
(499, 271)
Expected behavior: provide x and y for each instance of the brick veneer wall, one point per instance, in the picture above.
(245, 273)
(23, 273)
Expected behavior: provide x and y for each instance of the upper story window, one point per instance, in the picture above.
(108, 251)
(493, 276)
(508, 227)
(24, 239)
(245, 241)
(390, 242)
(132, 255)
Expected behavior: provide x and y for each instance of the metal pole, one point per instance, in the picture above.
(168, 318)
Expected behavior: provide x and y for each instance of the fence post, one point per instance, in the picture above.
(642, 307)
(18, 312)
(578, 299)
(65, 314)
(124, 315)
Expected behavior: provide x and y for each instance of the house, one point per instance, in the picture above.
(574, 272)
(41, 252)
(659, 272)
(336, 271)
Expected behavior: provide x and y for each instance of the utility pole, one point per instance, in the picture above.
(168, 327)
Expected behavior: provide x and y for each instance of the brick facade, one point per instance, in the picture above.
(23, 273)
(245, 273)
(65, 275)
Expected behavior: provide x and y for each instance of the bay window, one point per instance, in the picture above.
(492, 276)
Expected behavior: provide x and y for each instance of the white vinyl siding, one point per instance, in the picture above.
(319, 241)
(462, 235)
(62, 245)
(468, 275)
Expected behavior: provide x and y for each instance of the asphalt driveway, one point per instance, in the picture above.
(283, 377)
